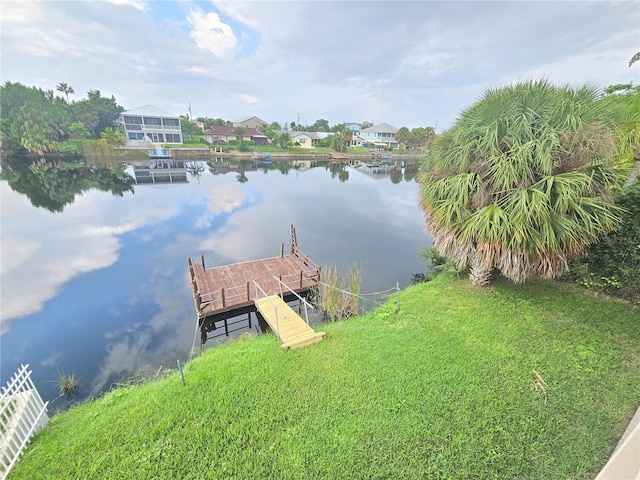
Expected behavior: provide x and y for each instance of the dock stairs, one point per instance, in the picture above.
(289, 327)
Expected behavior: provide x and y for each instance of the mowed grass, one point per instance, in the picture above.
(535, 381)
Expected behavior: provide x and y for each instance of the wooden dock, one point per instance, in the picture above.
(289, 327)
(225, 291)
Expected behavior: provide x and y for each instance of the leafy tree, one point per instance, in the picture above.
(366, 125)
(188, 127)
(522, 181)
(634, 59)
(402, 135)
(107, 110)
(613, 264)
(282, 139)
(341, 139)
(320, 125)
(77, 131)
(112, 136)
(239, 132)
(66, 89)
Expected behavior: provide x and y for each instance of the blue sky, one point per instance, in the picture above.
(414, 63)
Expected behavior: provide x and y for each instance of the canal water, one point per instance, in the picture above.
(94, 265)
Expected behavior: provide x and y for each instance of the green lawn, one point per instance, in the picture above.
(535, 381)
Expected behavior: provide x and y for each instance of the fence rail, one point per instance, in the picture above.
(22, 415)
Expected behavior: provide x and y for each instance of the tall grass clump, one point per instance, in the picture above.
(67, 384)
(340, 294)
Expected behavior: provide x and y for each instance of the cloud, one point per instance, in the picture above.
(211, 33)
(246, 99)
(405, 63)
(137, 4)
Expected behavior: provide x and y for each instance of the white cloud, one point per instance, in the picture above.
(212, 34)
(247, 99)
(405, 63)
(137, 4)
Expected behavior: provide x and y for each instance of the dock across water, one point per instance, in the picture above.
(230, 289)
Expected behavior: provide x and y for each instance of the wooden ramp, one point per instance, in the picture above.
(292, 330)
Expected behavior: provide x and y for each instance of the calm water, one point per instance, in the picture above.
(100, 289)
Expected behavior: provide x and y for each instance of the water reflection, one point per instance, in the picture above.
(100, 288)
(55, 184)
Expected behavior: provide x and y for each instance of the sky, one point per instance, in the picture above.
(412, 64)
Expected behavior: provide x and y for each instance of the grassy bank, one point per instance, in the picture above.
(536, 381)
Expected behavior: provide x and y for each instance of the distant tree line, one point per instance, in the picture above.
(39, 121)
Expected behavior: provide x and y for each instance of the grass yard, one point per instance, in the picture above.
(529, 382)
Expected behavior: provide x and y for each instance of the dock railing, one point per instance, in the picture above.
(22, 415)
(275, 308)
(306, 313)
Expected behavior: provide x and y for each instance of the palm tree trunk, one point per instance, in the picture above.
(478, 274)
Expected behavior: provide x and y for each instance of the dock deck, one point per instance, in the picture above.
(227, 288)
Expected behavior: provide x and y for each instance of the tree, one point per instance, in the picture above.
(634, 59)
(188, 127)
(239, 132)
(522, 181)
(320, 125)
(282, 139)
(613, 264)
(66, 89)
(402, 135)
(112, 136)
(366, 125)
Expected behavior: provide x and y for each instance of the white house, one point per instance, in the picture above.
(382, 135)
(150, 124)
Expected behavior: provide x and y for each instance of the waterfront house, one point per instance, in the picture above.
(381, 135)
(305, 139)
(223, 134)
(146, 125)
(354, 127)
(248, 122)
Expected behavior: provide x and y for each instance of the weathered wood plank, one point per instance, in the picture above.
(208, 283)
(292, 330)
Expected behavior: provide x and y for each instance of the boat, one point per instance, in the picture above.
(261, 156)
(159, 153)
(384, 157)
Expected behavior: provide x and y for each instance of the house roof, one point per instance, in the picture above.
(380, 128)
(312, 135)
(244, 119)
(228, 131)
(150, 111)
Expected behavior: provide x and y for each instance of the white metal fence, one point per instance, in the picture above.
(22, 415)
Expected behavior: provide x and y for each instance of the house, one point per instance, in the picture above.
(150, 124)
(248, 122)
(223, 134)
(356, 141)
(382, 135)
(354, 127)
(305, 139)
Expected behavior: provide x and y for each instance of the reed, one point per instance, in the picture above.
(340, 294)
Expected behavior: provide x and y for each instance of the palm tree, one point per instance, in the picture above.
(521, 182)
(66, 89)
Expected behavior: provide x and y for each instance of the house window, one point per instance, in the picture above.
(152, 122)
(135, 136)
(171, 122)
(172, 137)
(132, 120)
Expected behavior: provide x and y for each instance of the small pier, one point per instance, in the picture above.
(230, 290)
